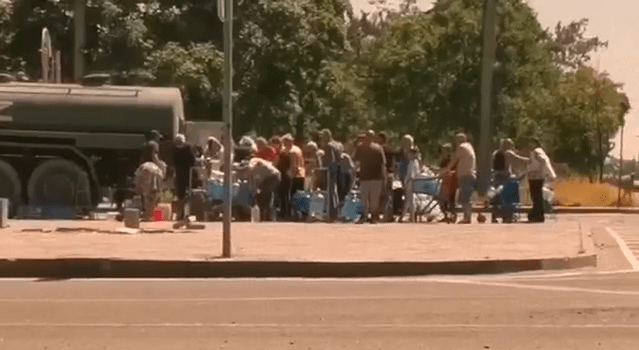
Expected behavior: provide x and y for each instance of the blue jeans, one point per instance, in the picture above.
(466, 189)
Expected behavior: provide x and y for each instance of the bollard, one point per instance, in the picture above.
(132, 218)
(4, 213)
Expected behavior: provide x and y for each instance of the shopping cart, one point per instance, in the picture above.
(426, 192)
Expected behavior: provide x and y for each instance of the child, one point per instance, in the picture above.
(411, 173)
(449, 185)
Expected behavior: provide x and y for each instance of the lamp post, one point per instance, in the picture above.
(625, 106)
(489, 50)
(225, 13)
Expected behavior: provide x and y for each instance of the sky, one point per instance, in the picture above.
(616, 21)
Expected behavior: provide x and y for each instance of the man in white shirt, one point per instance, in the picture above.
(539, 170)
(466, 165)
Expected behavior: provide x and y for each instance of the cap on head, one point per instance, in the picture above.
(370, 133)
(460, 138)
(326, 133)
(180, 139)
(287, 137)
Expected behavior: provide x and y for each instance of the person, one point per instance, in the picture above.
(151, 149)
(264, 150)
(372, 175)
(312, 162)
(465, 163)
(147, 184)
(331, 160)
(346, 175)
(504, 159)
(266, 179)
(276, 145)
(411, 174)
(539, 170)
(296, 170)
(405, 145)
(387, 190)
(283, 164)
(213, 156)
(449, 185)
(184, 159)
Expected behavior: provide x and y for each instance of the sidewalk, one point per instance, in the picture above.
(299, 247)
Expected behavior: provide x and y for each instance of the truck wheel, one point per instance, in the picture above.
(10, 186)
(56, 182)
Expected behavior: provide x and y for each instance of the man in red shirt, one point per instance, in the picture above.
(264, 151)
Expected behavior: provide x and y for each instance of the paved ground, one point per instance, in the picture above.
(512, 312)
(625, 227)
(301, 241)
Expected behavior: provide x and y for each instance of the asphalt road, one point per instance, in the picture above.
(580, 310)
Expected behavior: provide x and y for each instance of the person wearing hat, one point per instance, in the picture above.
(372, 175)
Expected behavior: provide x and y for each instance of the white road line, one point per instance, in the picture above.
(632, 259)
(314, 325)
(226, 300)
(544, 288)
(335, 298)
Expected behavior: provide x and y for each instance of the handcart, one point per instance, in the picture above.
(430, 187)
(505, 197)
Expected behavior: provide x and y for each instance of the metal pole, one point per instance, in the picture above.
(228, 121)
(80, 29)
(620, 169)
(488, 63)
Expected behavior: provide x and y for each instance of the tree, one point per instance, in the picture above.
(588, 107)
(571, 48)
(197, 70)
(425, 70)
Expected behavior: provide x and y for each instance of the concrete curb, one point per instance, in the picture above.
(114, 268)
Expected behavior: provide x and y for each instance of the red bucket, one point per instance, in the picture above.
(158, 215)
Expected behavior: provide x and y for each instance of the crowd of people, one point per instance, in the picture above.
(280, 167)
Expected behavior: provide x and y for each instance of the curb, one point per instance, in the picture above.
(115, 268)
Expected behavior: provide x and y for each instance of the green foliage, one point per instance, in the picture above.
(587, 108)
(197, 70)
(571, 48)
(426, 70)
(301, 65)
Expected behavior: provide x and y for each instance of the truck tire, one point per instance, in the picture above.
(10, 187)
(56, 182)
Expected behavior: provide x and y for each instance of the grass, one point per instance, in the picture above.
(580, 192)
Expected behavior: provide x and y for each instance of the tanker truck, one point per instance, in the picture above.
(60, 144)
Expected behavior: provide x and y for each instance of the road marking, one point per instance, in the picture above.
(336, 298)
(632, 259)
(314, 325)
(544, 288)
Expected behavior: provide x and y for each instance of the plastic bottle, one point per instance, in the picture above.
(255, 214)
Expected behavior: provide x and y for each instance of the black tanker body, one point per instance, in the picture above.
(60, 144)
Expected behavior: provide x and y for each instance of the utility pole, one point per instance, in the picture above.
(225, 12)
(79, 18)
(620, 169)
(489, 50)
